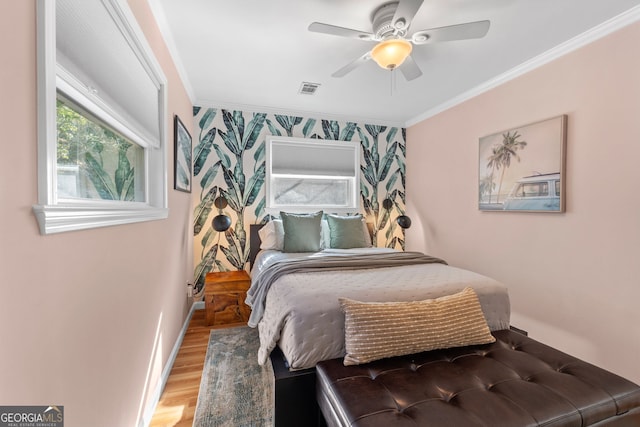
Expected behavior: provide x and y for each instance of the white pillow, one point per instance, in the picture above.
(272, 235)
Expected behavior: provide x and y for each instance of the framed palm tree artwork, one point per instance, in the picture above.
(181, 156)
(522, 169)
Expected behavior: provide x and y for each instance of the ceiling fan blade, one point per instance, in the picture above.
(405, 12)
(318, 27)
(352, 65)
(470, 30)
(410, 69)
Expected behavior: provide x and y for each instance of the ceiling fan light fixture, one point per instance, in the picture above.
(391, 53)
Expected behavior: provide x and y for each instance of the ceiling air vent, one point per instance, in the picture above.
(308, 88)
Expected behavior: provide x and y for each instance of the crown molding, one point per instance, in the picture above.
(158, 13)
(614, 24)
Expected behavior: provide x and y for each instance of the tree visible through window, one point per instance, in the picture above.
(93, 161)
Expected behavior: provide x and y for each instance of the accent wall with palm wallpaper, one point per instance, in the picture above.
(229, 161)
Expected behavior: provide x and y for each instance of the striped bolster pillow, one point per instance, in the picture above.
(375, 330)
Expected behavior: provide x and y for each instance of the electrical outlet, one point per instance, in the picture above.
(189, 290)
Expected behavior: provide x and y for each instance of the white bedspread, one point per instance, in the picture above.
(302, 314)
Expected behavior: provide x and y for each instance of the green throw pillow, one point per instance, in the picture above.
(347, 232)
(301, 232)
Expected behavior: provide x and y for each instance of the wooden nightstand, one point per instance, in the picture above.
(224, 297)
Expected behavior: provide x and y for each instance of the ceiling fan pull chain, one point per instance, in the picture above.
(394, 81)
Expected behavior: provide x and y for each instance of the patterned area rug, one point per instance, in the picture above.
(235, 391)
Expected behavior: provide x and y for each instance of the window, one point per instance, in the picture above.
(305, 175)
(101, 118)
(94, 162)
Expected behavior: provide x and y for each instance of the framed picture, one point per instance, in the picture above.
(522, 169)
(181, 156)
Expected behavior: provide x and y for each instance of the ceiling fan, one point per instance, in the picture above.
(390, 24)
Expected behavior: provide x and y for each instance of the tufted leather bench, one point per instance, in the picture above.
(515, 381)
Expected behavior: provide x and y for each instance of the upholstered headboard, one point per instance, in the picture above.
(254, 242)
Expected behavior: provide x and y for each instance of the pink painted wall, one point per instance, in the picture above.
(574, 278)
(87, 318)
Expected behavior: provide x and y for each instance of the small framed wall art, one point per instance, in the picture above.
(522, 169)
(181, 156)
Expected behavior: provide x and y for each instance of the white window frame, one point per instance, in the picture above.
(274, 209)
(53, 215)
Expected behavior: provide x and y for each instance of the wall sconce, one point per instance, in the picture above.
(220, 222)
(403, 221)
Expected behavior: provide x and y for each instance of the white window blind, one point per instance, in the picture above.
(97, 58)
(313, 158)
(305, 175)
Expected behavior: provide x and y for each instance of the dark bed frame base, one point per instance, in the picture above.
(295, 391)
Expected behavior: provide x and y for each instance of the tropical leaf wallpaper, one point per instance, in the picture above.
(229, 160)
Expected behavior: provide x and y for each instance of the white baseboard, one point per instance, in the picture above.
(151, 407)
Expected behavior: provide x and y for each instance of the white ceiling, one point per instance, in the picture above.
(254, 54)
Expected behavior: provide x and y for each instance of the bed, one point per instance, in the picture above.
(300, 313)
(295, 336)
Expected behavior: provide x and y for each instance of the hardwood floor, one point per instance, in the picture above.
(177, 404)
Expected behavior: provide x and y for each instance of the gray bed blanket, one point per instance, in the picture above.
(263, 280)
